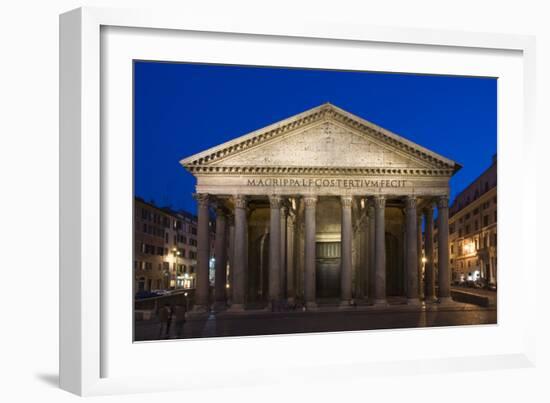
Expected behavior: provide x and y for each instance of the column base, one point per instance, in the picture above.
(430, 300)
(413, 301)
(345, 304)
(236, 308)
(311, 306)
(200, 309)
(380, 302)
(219, 306)
(445, 301)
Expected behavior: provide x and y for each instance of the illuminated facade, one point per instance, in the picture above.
(322, 205)
(165, 251)
(473, 230)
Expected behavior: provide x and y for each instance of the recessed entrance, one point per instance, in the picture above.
(328, 269)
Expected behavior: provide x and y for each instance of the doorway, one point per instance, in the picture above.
(327, 270)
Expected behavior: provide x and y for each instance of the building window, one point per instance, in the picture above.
(495, 216)
(460, 232)
(467, 216)
(194, 230)
(476, 225)
(452, 249)
(467, 229)
(476, 211)
(485, 220)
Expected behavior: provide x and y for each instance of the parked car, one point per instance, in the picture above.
(145, 294)
(160, 292)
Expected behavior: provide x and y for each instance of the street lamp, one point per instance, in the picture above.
(176, 253)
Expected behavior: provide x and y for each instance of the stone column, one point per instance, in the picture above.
(274, 250)
(309, 252)
(371, 248)
(239, 258)
(203, 255)
(220, 279)
(346, 248)
(365, 256)
(230, 257)
(412, 251)
(290, 290)
(283, 249)
(429, 248)
(419, 259)
(444, 278)
(380, 251)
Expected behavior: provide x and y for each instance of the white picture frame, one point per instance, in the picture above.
(85, 315)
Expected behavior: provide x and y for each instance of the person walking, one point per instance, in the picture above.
(180, 319)
(165, 318)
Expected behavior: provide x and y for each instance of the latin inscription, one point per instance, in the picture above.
(327, 183)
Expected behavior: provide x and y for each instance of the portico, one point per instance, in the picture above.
(322, 205)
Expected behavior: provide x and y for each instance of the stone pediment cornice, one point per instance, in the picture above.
(263, 170)
(326, 112)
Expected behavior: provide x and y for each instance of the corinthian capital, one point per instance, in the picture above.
(410, 202)
(310, 201)
(443, 202)
(275, 201)
(379, 202)
(346, 201)
(202, 199)
(240, 201)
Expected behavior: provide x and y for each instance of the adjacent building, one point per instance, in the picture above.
(165, 251)
(473, 230)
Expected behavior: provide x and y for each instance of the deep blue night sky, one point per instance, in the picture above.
(181, 109)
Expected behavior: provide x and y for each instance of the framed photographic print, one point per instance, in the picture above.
(278, 196)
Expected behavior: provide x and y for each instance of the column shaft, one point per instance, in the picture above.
(429, 246)
(283, 251)
(371, 254)
(380, 251)
(239, 258)
(346, 252)
(419, 259)
(364, 255)
(309, 252)
(412, 252)
(203, 255)
(444, 278)
(274, 248)
(220, 278)
(291, 294)
(231, 257)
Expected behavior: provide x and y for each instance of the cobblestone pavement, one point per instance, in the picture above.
(325, 320)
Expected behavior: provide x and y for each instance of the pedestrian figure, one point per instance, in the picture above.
(180, 319)
(165, 318)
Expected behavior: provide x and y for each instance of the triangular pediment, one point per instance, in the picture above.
(323, 137)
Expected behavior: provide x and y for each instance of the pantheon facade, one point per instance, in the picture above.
(322, 206)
